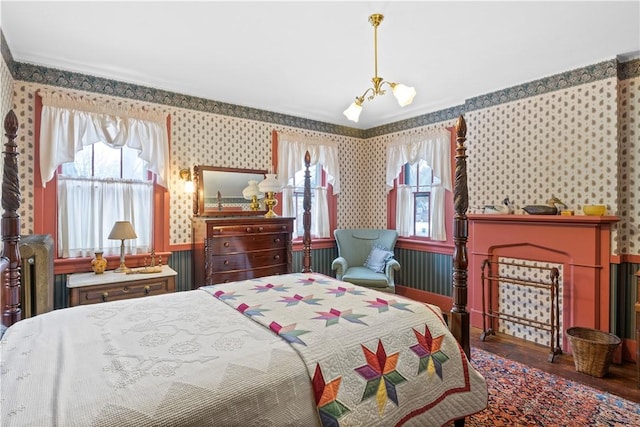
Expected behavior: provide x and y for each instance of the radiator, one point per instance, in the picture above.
(36, 280)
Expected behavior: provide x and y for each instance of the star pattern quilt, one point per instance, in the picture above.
(373, 358)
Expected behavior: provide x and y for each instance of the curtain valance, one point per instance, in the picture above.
(68, 124)
(433, 147)
(291, 150)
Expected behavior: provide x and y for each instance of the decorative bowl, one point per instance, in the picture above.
(594, 210)
(540, 210)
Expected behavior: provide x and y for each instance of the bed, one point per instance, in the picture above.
(301, 349)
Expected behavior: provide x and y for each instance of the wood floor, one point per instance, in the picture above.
(621, 379)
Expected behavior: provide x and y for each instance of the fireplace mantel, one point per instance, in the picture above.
(582, 244)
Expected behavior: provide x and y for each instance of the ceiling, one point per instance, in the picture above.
(311, 59)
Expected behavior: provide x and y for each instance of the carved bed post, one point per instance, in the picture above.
(11, 312)
(306, 216)
(459, 323)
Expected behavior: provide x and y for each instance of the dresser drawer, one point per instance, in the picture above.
(231, 276)
(245, 260)
(245, 243)
(241, 230)
(123, 290)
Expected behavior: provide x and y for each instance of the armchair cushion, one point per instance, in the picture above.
(377, 258)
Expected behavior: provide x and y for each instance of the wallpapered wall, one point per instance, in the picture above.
(196, 138)
(6, 89)
(580, 143)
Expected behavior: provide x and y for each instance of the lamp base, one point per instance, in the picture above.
(270, 201)
(122, 269)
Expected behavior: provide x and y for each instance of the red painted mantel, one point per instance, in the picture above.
(582, 244)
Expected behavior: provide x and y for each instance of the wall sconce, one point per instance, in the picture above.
(270, 186)
(185, 175)
(122, 230)
(252, 192)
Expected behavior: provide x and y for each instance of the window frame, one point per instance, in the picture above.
(45, 214)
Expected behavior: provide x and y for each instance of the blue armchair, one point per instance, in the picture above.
(363, 250)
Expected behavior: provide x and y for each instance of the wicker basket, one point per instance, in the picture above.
(592, 350)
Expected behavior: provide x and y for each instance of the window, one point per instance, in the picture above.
(101, 186)
(64, 125)
(419, 198)
(419, 177)
(289, 152)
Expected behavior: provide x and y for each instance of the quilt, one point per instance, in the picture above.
(372, 358)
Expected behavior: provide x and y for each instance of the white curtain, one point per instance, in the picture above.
(320, 213)
(436, 206)
(404, 211)
(80, 235)
(288, 205)
(68, 124)
(292, 148)
(435, 149)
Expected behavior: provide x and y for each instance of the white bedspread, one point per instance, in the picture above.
(340, 355)
(181, 359)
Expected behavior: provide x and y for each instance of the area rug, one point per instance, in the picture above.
(520, 395)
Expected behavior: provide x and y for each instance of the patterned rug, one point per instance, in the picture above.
(520, 395)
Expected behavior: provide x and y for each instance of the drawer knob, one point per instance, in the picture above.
(276, 240)
(105, 295)
(261, 229)
(276, 257)
(226, 244)
(248, 229)
(125, 289)
(147, 289)
(226, 262)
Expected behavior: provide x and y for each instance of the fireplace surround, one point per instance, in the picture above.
(581, 244)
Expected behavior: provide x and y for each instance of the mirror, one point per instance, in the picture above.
(219, 191)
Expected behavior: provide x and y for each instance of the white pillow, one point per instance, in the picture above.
(378, 258)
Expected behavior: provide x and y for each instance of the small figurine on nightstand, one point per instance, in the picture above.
(154, 267)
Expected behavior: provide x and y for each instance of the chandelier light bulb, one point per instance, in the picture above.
(353, 112)
(404, 94)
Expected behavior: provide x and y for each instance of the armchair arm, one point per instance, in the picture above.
(391, 266)
(340, 265)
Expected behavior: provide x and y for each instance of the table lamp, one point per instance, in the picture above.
(122, 230)
(252, 192)
(270, 186)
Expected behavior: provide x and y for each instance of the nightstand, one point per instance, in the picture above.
(91, 288)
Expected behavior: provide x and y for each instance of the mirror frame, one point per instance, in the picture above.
(199, 208)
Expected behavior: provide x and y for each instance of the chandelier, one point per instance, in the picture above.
(403, 94)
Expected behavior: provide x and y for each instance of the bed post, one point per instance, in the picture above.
(11, 312)
(306, 216)
(459, 323)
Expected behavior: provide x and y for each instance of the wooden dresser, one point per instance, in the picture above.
(237, 248)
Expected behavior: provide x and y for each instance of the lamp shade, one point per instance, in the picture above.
(252, 190)
(353, 112)
(270, 184)
(404, 94)
(122, 230)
